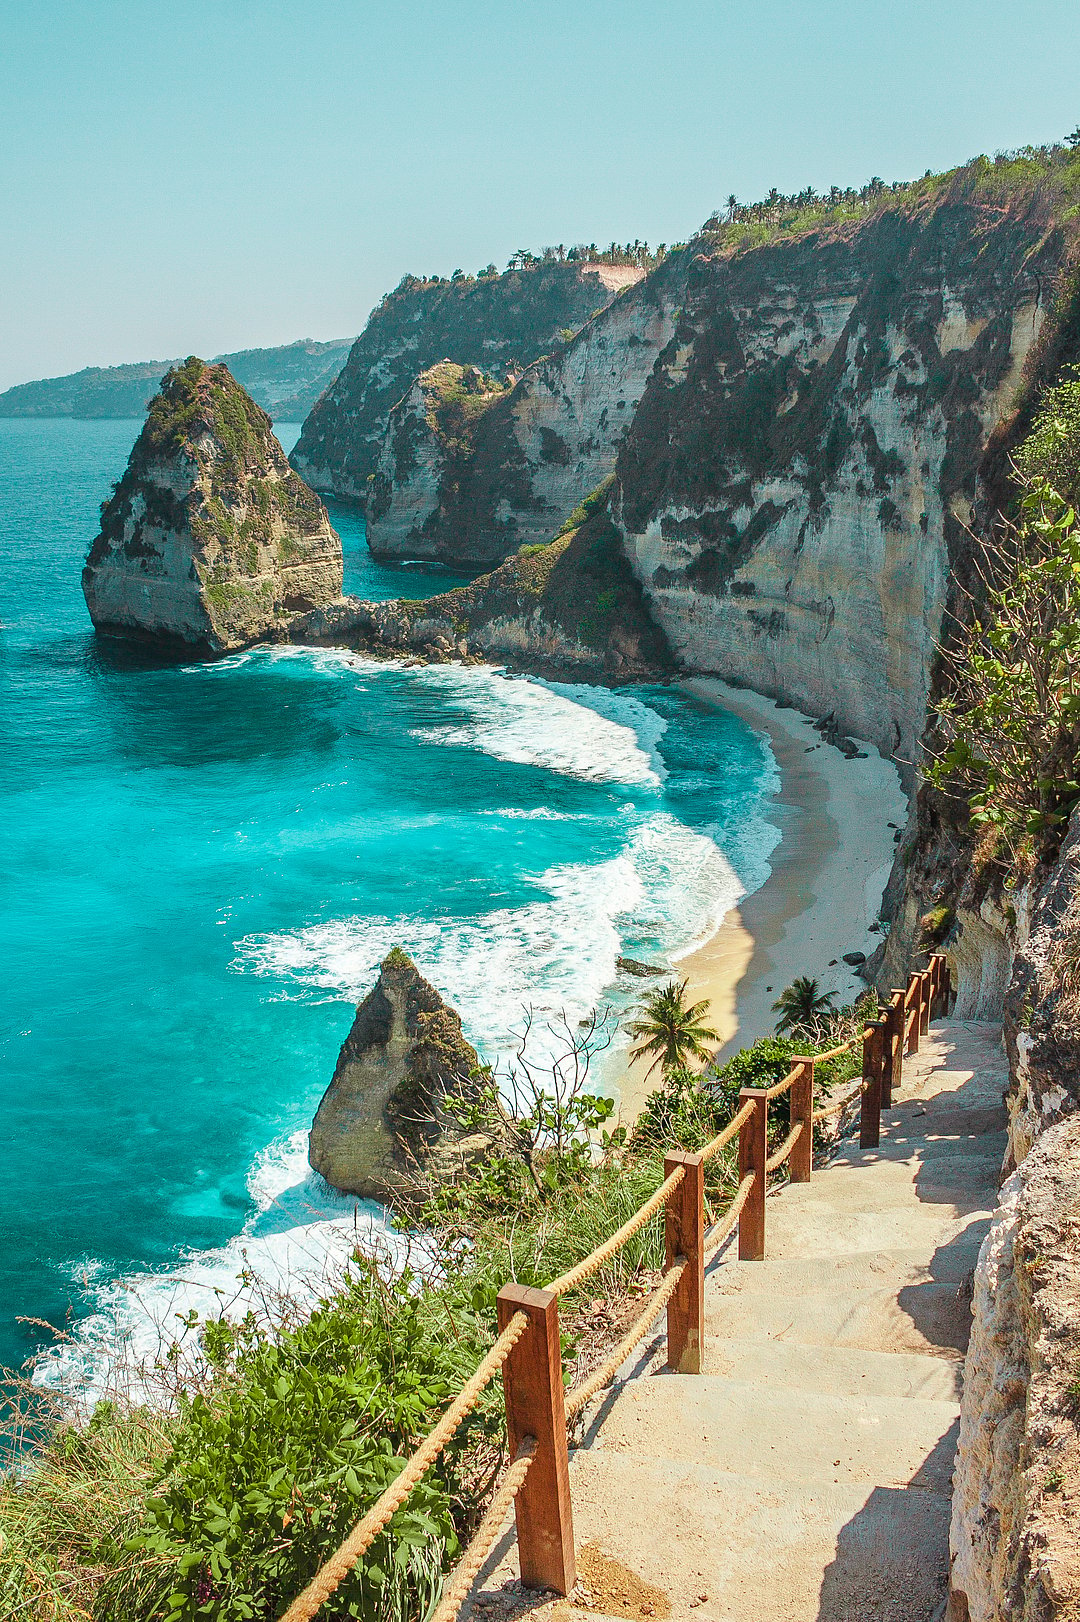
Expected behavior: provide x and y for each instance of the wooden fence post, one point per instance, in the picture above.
(801, 1159)
(892, 1048)
(753, 1140)
(870, 1113)
(911, 1014)
(925, 999)
(946, 987)
(898, 1003)
(684, 1235)
(533, 1389)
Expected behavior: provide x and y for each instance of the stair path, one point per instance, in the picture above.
(804, 1476)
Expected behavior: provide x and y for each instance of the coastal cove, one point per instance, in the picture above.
(204, 864)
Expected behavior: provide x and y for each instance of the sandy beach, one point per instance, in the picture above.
(828, 875)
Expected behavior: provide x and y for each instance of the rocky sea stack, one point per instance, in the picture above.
(382, 1123)
(210, 540)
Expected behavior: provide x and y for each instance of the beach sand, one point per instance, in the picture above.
(828, 875)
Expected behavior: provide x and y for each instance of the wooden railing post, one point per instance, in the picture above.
(533, 1388)
(892, 1046)
(911, 1014)
(870, 1115)
(801, 1160)
(946, 987)
(753, 1142)
(925, 999)
(899, 1002)
(684, 1236)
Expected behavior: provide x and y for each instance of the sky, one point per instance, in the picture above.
(223, 174)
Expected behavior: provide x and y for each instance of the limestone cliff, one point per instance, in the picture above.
(470, 488)
(570, 609)
(795, 484)
(489, 321)
(382, 1121)
(210, 540)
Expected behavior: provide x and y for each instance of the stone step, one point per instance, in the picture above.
(850, 1269)
(785, 1367)
(740, 1427)
(924, 1318)
(758, 1550)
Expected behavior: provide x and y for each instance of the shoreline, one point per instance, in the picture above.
(828, 874)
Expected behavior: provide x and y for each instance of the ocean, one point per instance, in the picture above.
(202, 866)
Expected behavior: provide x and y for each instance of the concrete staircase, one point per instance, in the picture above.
(806, 1473)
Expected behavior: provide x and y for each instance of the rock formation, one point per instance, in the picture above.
(569, 609)
(489, 321)
(469, 486)
(382, 1120)
(794, 487)
(210, 541)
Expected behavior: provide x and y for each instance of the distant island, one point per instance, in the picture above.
(286, 381)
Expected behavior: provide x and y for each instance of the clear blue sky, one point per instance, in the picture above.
(224, 173)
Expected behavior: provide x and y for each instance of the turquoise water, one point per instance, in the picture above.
(202, 865)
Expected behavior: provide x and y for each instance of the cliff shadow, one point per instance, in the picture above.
(892, 1557)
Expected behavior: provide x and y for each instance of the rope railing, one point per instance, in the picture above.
(607, 1371)
(777, 1159)
(726, 1226)
(526, 1350)
(465, 1573)
(603, 1253)
(730, 1131)
(333, 1573)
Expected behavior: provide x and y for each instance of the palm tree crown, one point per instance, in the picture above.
(802, 1006)
(671, 1029)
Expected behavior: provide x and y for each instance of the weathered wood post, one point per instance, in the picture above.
(801, 1159)
(684, 1236)
(911, 1014)
(946, 987)
(870, 1114)
(925, 999)
(533, 1389)
(892, 1048)
(753, 1140)
(898, 1005)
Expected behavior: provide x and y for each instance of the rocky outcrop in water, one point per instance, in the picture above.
(571, 610)
(210, 541)
(496, 323)
(468, 477)
(382, 1123)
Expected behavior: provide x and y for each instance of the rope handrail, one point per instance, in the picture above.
(783, 1084)
(716, 1144)
(781, 1154)
(840, 1105)
(603, 1253)
(833, 1053)
(716, 1236)
(599, 1378)
(333, 1572)
(468, 1567)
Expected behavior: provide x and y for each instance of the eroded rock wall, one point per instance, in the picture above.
(471, 494)
(210, 540)
(493, 322)
(795, 486)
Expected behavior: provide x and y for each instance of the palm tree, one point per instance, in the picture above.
(671, 1028)
(802, 1006)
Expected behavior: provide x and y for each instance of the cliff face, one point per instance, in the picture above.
(382, 1119)
(794, 488)
(472, 492)
(492, 322)
(210, 540)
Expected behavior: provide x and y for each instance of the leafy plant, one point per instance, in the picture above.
(1010, 719)
(671, 1029)
(803, 1006)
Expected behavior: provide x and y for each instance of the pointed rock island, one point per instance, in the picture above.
(383, 1124)
(210, 541)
